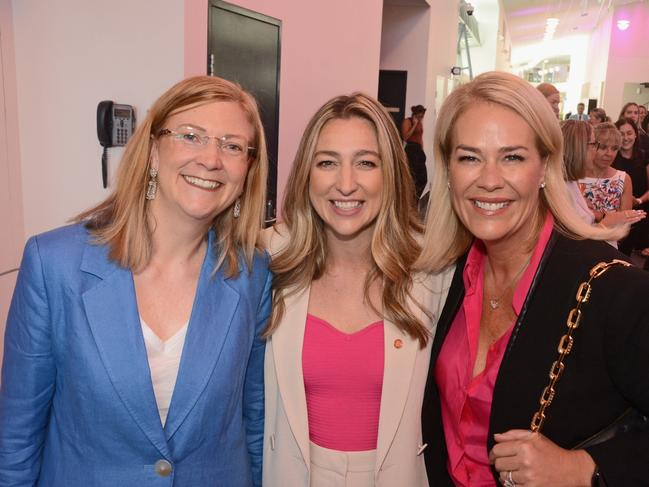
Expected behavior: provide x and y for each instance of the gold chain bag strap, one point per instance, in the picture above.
(566, 342)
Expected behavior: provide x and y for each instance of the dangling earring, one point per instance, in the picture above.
(542, 184)
(152, 187)
(236, 212)
(448, 184)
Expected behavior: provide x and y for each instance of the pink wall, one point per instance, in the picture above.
(328, 48)
(11, 208)
(628, 57)
(404, 48)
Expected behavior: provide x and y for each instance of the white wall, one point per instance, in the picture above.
(487, 14)
(597, 59)
(85, 51)
(442, 41)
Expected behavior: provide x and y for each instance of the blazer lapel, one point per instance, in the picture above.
(112, 314)
(398, 368)
(212, 313)
(287, 352)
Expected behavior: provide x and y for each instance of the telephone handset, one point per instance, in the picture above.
(115, 125)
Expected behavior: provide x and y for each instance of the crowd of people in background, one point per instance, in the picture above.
(613, 181)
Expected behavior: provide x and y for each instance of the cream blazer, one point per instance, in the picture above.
(399, 460)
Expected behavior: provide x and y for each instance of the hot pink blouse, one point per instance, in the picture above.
(466, 400)
(343, 380)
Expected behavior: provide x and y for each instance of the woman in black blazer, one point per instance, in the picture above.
(519, 384)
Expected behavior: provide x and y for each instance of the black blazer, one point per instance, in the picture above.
(606, 372)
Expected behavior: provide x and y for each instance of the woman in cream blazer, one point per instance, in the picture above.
(314, 227)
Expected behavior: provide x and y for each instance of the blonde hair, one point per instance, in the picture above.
(606, 132)
(446, 238)
(122, 220)
(394, 246)
(576, 136)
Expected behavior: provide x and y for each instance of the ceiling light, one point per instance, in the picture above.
(623, 24)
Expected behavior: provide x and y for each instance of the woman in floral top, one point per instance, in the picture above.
(606, 189)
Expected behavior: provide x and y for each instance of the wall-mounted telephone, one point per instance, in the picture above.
(115, 125)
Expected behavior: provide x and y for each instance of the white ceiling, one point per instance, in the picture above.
(526, 18)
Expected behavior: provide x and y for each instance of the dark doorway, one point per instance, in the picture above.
(244, 46)
(392, 93)
(592, 103)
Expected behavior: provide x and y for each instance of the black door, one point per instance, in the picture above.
(392, 93)
(244, 46)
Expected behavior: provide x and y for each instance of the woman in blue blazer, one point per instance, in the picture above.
(93, 392)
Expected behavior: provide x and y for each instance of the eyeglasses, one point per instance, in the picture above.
(231, 146)
(604, 148)
(593, 145)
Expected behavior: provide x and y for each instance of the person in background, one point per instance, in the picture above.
(491, 414)
(642, 114)
(133, 354)
(552, 96)
(633, 161)
(579, 146)
(580, 115)
(412, 132)
(579, 150)
(597, 116)
(631, 110)
(349, 341)
(605, 188)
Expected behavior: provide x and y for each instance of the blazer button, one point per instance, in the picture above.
(163, 468)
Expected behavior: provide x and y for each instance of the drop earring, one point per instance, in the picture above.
(152, 186)
(236, 211)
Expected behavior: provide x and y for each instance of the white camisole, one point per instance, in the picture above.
(164, 360)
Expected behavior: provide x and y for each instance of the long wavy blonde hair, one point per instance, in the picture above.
(122, 220)
(446, 238)
(394, 246)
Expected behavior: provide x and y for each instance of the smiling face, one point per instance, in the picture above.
(495, 172)
(628, 137)
(642, 113)
(346, 178)
(196, 183)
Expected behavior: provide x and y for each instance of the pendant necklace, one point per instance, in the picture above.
(494, 301)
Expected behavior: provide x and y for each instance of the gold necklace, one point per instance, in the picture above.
(494, 302)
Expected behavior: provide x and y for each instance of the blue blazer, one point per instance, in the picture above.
(77, 406)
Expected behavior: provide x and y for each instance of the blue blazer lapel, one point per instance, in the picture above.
(212, 314)
(111, 309)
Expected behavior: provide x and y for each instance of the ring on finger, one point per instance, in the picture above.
(509, 481)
